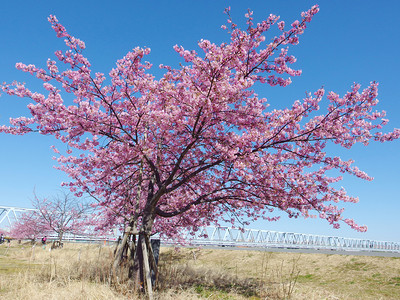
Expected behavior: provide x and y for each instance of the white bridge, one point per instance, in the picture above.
(9, 215)
(234, 237)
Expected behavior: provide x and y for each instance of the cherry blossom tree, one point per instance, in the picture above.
(28, 226)
(198, 146)
(61, 214)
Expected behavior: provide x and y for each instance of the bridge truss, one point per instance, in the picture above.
(226, 236)
(9, 215)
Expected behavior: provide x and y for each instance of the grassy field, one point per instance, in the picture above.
(81, 271)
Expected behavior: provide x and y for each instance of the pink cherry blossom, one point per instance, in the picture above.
(198, 145)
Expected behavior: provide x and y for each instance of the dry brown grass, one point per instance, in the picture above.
(81, 271)
(69, 273)
(316, 276)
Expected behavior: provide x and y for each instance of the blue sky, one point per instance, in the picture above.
(348, 41)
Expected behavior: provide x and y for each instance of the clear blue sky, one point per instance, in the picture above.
(348, 41)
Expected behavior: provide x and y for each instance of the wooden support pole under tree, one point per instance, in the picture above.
(120, 252)
(152, 260)
(146, 268)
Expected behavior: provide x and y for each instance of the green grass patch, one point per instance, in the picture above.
(395, 281)
(8, 265)
(356, 266)
(206, 292)
(306, 278)
(212, 293)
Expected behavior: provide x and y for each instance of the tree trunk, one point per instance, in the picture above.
(147, 264)
(141, 258)
(60, 236)
(152, 261)
(146, 267)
